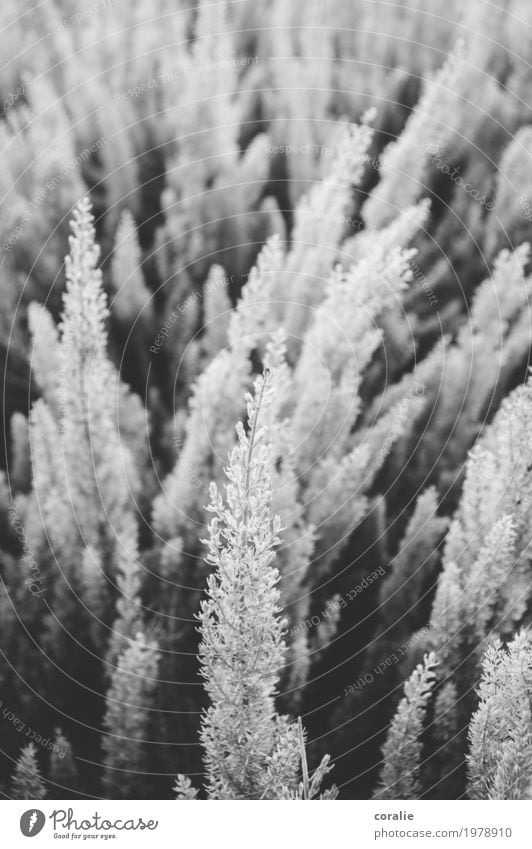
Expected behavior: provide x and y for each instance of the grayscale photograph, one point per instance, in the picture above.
(266, 455)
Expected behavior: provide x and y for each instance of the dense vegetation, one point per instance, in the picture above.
(267, 450)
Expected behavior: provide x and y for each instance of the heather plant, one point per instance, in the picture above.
(486, 547)
(126, 719)
(311, 783)
(499, 760)
(482, 591)
(316, 421)
(500, 756)
(41, 182)
(28, 782)
(77, 523)
(83, 468)
(241, 652)
(405, 160)
(481, 364)
(512, 195)
(214, 198)
(250, 750)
